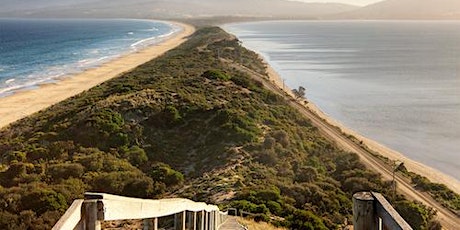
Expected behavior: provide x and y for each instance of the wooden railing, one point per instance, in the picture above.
(89, 213)
(372, 211)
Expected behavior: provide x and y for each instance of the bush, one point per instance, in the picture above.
(216, 74)
(65, 171)
(164, 173)
(301, 219)
(136, 156)
(41, 200)
(417, 215)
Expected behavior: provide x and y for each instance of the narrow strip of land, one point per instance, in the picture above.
(448, 219)
(25, 103)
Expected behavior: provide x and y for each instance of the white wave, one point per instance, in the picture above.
(26, 84)
(151, 40)
(53, 73)
(130, 33)
(10, 80)
(151, 29)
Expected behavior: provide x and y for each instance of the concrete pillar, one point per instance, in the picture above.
(194, 220)
(176, 221)
(90, 215)
(184, 220)
(206, 221)
(363, 211)
(202, 220)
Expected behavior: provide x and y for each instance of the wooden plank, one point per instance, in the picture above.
(390, 217)
(71, 217)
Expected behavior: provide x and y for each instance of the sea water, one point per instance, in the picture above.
(36, 51)
(397, 82)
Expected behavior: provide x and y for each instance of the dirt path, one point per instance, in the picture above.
(448, 219)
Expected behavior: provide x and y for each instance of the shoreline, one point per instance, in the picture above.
(26, 102)
(432, 174)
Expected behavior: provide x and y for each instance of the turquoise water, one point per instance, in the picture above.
(397, 82)
(35, 51)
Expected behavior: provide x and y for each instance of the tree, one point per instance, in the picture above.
(299, 93)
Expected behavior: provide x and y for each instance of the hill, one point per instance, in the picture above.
(192, 124)
(169, 9)
(406, 9)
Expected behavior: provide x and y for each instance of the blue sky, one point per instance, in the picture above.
(352, 2)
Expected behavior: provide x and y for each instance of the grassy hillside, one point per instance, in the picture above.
(186, 124)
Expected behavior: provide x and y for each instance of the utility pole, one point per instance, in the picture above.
(396, 166)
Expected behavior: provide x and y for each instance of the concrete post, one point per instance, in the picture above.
(194, 220)
(184, 220)
(90, 215)
(202, 221)
(211, 220)
(175, 221)
(363, 211)
(206, 221)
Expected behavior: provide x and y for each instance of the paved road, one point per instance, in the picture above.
(231, 224)
(448, 219)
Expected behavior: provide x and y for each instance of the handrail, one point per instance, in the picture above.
(71, 217)
(97, 207)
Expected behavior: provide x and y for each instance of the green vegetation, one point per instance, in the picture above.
(299, 93)
(440, 192)
(185, 124)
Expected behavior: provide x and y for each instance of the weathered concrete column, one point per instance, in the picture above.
(184, 219)
(90, 215)
(176, 224)
(194, 220)
(206, 221)
(155, 224)
(363, 211)
(202, 220)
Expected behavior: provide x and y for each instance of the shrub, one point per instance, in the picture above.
(65, 171)
(136, 156)
(216, 74)
(164, 173)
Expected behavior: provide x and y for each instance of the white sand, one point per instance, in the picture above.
(24, 103)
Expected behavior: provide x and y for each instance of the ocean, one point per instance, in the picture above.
(37, 51)
(396, 82)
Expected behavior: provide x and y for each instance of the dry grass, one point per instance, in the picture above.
(252, 225)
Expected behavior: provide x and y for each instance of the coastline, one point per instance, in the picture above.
(432, 174)
(24, 103)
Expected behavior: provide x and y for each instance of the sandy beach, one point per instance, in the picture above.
(432, 174)
(24, 103)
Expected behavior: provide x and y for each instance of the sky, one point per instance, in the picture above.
(352, 2)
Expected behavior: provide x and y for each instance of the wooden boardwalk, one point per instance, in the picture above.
(231, 224)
